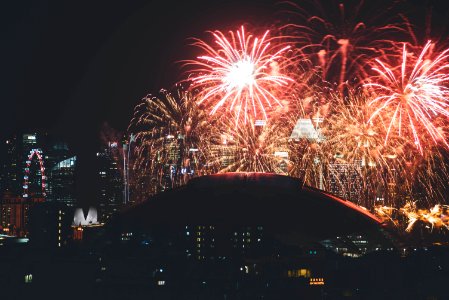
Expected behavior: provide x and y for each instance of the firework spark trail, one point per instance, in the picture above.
(249, 148)
(413, 96)
(240, 78)
(385, 213)
(243, 74)
(306, 157)
(167, 123)
(351, 133)
(352, 141)
(357, 144)
(437, 216)
(342, 38)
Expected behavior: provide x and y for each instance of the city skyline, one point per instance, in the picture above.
(64, 71)
(103, 134)
(225, 150)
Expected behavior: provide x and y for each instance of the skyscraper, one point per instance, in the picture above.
(345, 181)
(110, 193)
(61, 167)
(10, 179)
(62, 182)
(35, 168)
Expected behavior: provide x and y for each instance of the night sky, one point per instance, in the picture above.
(69, 67)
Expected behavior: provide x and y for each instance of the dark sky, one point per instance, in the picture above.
(70, 66)
(73, 65)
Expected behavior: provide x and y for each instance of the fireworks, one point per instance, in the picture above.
(353, 136)
(241, 74)
(170, 132)
(250, 148)
(305, 145)
(355, 143)
(435, 217)
(412, 97)
(341, 38)
(334, 102)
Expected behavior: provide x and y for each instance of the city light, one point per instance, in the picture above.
(299, 150)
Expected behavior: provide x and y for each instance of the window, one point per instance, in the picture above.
(28, 278)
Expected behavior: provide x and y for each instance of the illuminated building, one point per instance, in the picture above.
(345, 181)
(61, 168)
(178, 166)
(85, 227)
(10, 177)
(282, 156)
(201, 242)
(172, 161)
(224, 154)
(23, 166)
(90, 219)
(110, 193)
(304, 129)
(33, 167)
(309, 129)
(354, 245)
(62, 182)
(50, 225)
(14, 214)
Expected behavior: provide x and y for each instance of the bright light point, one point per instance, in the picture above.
(240, 75)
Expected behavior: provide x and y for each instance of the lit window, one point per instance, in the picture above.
(161, 282)
(316, 281)
(28, 278)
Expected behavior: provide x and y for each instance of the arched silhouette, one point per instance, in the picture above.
(38, 153)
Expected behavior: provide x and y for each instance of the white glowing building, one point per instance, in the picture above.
(80, 220)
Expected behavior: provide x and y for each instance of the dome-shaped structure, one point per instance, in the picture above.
(242, 235)
(239, 199)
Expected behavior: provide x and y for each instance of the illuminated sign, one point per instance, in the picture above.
(316, 281)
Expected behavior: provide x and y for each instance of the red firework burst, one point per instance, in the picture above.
(241, 74)
(413, 96)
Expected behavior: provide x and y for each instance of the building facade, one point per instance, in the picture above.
(110, 192)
